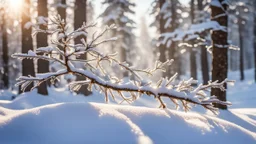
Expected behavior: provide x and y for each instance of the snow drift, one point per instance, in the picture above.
(100, 123)
(63, 117)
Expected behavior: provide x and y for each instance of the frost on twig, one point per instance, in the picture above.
(181, 94)
(193, 34)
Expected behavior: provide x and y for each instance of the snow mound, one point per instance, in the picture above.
(81, 123)
(64, 117)
(7, 95)
(32, 99)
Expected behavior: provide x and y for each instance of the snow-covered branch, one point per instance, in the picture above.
(192, 33)
(181, 94)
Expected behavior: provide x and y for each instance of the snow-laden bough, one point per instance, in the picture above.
(184, 93)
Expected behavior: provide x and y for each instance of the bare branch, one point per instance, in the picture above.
(183, 93)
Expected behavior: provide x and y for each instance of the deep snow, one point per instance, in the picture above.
(100, 123)
(64, 117)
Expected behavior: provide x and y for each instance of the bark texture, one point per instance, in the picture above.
(176, 67)
(220, 51)
(26, 45)
(5, 76)
(193, 66)
(62, 10)
(255, 42)
(204, 56)
(162, 47)
(79, 18)
(241, 54)
(43, 66)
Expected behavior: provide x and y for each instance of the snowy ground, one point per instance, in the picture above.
(66, 118)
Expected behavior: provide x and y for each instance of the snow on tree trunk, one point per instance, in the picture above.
(43, 66)
(220, 48)
(5, 77)
(169, 17)
(26, 44)
(79, 19)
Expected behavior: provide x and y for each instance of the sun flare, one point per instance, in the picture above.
(15, 5)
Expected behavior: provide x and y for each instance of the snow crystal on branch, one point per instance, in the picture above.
(181, 94)
(192, 33)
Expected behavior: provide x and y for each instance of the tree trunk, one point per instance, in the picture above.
(172, 49)
(255, 49)
(43, 66)
(26, 45)
(255, 57)
(124, 41)
(79, 18)
(193, 66)
(255, 42)
(220, 51)
(175, 67)
(5, 77)
(232, 61)
(204, 57)
(204, 65)
(62, 10)
(123, 52)
(241, 54)
(162, 47)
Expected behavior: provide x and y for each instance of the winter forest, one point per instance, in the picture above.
(127, 71)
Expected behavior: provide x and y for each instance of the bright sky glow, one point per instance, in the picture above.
(141, 9)
(14, 5)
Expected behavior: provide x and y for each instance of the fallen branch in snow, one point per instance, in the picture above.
(183, 94)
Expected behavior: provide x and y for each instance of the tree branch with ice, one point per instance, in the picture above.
(194, 34)
(181, 94)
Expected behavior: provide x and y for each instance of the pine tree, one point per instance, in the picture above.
(117, 12)
(5, 76)
(219, 46)
(168, 18)
(43, 66)
(26, 43)
(219, 49)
